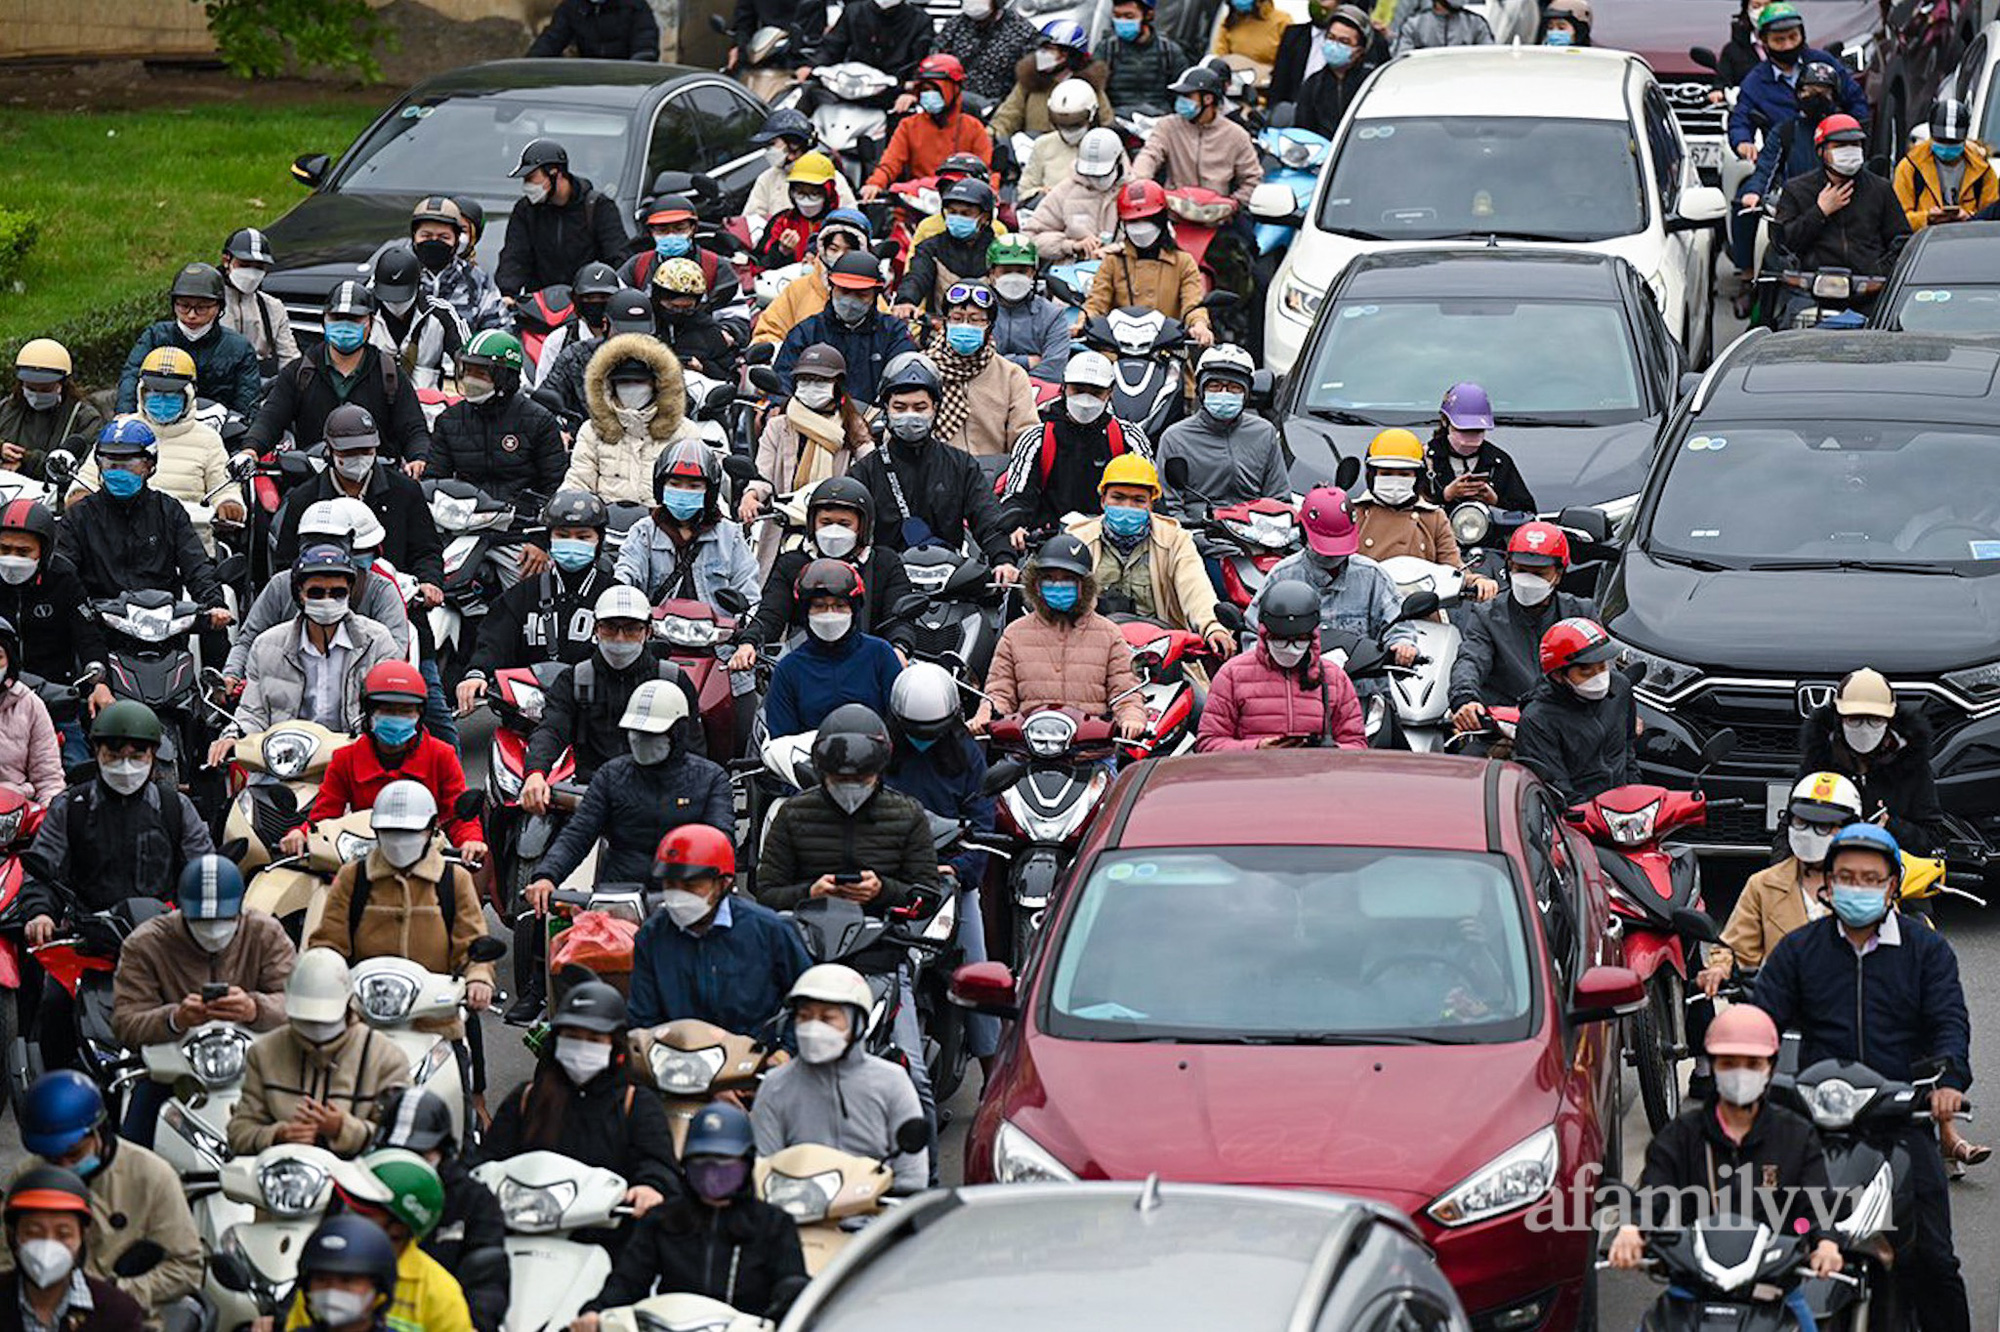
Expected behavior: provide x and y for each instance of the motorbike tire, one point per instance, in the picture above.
(946, 1048)
(10, 1033)
(1652, 1045)
(1025, 929)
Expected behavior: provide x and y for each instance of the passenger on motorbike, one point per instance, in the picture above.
(817, 437)
(438, 229)
(44, 409)
(638, 411)
(1395, 519)
(844, 230)
(841, 517)
(1080, 210)
(315, 665)
(940, 129)
(786, 136)
(225, 363)
(1286, 693)
(590, 294)
(41, 593)
(990, 37)
(1942, 178)
(1355, 596)
(560, 223)
(1914, 1019)
(1198, 144)
(376, 595)
(1462, 463)
(548, 617)
(406, 1199)
(169, 961)
(471, 1226)
(1029, 329)
(1074, 107)
(349, 370)
(687, 324)
(1768, 94)
(1349, 53)
(422, 331)
(48, 1221)
(1422, 24)
(954, 258)
(987, 400)
(854, 322)
(1146, 268)
(1232, 455)
(135, 1197)
(1063, 653)
(1142, 60)
(30, 752)
(1579, 728)
(835, 1093)
(687, 548)
(190, 463)
(672, 221)
(1058, 465)
(1785, 896)
(129, 536)
(501, 440)
(322, 1078)
(347, 1275)
(1037, 104)
(579, 1102)
(837, 662)
(1885, 748)
(1565, 23)
(1499, 658)
(1842, 215)
(1788, 148)
(720, 1241)
(811, 194)
(1149, 560)
(896, 38)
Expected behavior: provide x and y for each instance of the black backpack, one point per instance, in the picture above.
(447, 897)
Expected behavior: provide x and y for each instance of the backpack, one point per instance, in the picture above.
(307, 369)
(358, 902)
(172, 817)
(1047, 464)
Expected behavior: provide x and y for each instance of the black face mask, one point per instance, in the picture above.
(592, 313)
(1814, 109)
(1786, 59)
(434, 254)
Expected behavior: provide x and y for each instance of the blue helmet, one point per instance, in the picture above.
(350, 1245)
(1867, 837)
(720, 1129)
(1066, 32)
(849, 217)
(127, 435)
(58, 1110)
(211, 888)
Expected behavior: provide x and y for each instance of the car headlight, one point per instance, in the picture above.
(680, 631)
(1981, 684)
(1511, 1180)
(535, 1210)
(1048, 735)
(216, 1056)
(1019, 1159)
(1300, 301)
(1633, 828)
(1835, 1102)
(291, 1188)
(287, 754)
(385, 996)
(1664, 676)
(806, 1199)
(352, 846)
(685, 1072)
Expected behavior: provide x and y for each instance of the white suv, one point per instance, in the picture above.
(1560, 146)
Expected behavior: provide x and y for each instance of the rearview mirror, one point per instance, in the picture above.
(1591, 522)
(740, 467)
(142, 1257)
(1274, 203)
(912, 1137)
(765, 380)
(1418, 606)
(1719, 747)
(1001, 776)
(1604, 994)
(486, 948)
(230, 1271)
(716, 24)
(471, 804)
(1692, 924)
(1221, 299)
(232, 568)
(1347, 472)
(309, 169)
(987, 987)
(1704, 57)
(1177, 472)
(760, 353)
(729, 599)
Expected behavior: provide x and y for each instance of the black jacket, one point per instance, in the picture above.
(57, 640)
(112, 1310)
(1499, 659)
(945, 488)
(703, 344)
(547, 242)
(472, 1223)
(1081, 454)
(750, 15)
(225, 366)
(503, 446)
(1491, 459)
(1859, 236)
(811, 836)
(565, 377)
(601, 30)
(1779, 1158)
(1324, 97)
(892, 40)
(881, 574)
(97, 848)
(966, 258)
(631, 806)
(1580, 748)
(590, 723)
(305, 393)
(143, 542)
(607, 1122)
(544, 618)
(1896, 777)
(739, 1254)
(413, 544)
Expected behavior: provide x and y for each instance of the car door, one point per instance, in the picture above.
(725, 117)
(1688, 253)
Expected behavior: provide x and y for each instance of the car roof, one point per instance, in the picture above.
(1312, 797)
(1484, 271)
(1867, 374)
(1100, 1255)
(1961, 255)
(585, 82)
(1575, 83)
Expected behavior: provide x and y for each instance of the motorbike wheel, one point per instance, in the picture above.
(1025, 929)
(10, 1034)
(1652, 1043)
(946, 1048)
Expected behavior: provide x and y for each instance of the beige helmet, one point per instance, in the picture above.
(655, 708)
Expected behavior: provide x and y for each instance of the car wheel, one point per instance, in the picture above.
(1652, 1046)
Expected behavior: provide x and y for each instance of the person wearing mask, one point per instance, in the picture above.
(1565, 23)
(1146, 561)
(437, 237)
(313, 666)
(1063, 653)
(564, 375)
(348, 1272)
(854, 323)
(401, 1192)
(672, 222)
(636, 799)
(895, 36)
(925, 491)
(135, 1197)
(471, 1230)
(1783, 897)
(638, 411)
(498, 438)
(1462, 463)
(376, 595)
(1029, 329)
(579, 1102)
(1232, 455)
(190, 463)
(719, 1241)
(1061, 56)
(548, 617)
(225, 362)
(841, 519)
(128, 535)
(954, 257)
(1285, 694)
(1057, 465)
(1251, 29)
(590, 293)
(42, 595)
(1349, 52)
(1394, 518)
(843, 232)
(1579, 728)
(422, 331)
(687, 549)
(837, 663)
(1767, 96)
(811, 194)
(1355, 596)
(688, 326)
(787, 135)
(1499, 657)
(990, 39)
(1146, 268)
(601, 30)
(710, 954)
(818, 437)
(1142, 62)
(1423, 24)
(48, 1221)
(560, 223)
(1860, 985)
(409, 540)
(1079, 212)
(247, 309)
(347, 370)
(1073, 110)
(1787, 151)
(1885, 747)
(835, 1093)
(169, 961)
(30, 752)
(987, 400)
(941, 128)
(1943, 178)
(322, 1078)
(45, 409)
(1841, 215)
(1301, 55)
(1198, 144)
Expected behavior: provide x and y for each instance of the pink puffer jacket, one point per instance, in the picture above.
(30, 754)
(1253, 698)
(1046, 660)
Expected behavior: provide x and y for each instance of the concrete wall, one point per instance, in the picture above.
(139, 29)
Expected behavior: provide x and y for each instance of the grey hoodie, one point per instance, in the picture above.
(854, 1104)
(1228, 462)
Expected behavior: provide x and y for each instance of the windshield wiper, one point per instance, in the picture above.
(1694, 562)
(1341, 416)
(1296, 1038)
(1865, 566)
(1357, 234)
(1477, 234)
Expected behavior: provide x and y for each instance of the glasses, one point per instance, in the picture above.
(969, 293)
(1861, 880)
(324, 594)
(620, 633)
(191, 308)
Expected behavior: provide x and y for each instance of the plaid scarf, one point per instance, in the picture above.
(957, 372)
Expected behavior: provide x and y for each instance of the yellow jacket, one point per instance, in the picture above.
(1918, 190)
(1255, 34)
(428, 1298)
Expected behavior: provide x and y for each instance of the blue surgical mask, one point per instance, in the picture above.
(345, 335)
(122, 484)
(920, 743)
(1859, 907)
(1947, 152)
(572, 554)
(960, 226)
(965, 339)
(1060, 596)
(1558, 37)
(394, 732)
(1186, 108)
(684, 505)
(673, 247)
(1338, 54)
(88, 1166)
(165, 408)
(1222, 406)
(932, 101)
(1242, 6)
(1124, 520)
(1127, 29)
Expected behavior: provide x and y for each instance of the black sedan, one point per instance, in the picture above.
(1948, 281)
(1570, 346)
(460, 133)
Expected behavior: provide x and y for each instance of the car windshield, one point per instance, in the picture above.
(1380, 359)
(1294, 945)
(467, 145)
(1949, 309)
(1429, 178)
(1860, 492)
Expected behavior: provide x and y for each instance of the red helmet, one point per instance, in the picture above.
(393, 682)
(1538, 544)
(1839, 129)
(1575, 642)
(941, 69)
(694, 851)
(1141, 198)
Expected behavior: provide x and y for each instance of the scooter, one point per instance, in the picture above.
(852, 117)
(394, 995)
(1145, 347)
(205, 1069)
(1724, 1272)
(681, 1313)
(955, 608)
(1835, 298)
(695, 636)
(1292, 158)
(1049, 787)
(84, 962)
(518, 697)
(293, 888)
(1249, 540)
(1365, 659)
(1422, 695)
(1161, 656)
(285, 1189)
(473, 525)
(690, 1063)
(765, 65)
(828, 1192)
(20, 820)
(274, 777)
(151, 658)
(546, 1198)
(834, 929)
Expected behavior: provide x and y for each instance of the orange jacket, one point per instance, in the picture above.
(920, 145)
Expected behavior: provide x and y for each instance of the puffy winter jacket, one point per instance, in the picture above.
(615, 450)
(990, 48)
(57, 638)
(1580, 747)
(632, 806)
(305, 393)
(30, 754)
(1048, 660)
(547, 242)
(1228, 462)
(810, 836)
(275, 678)
(1919, 183)
(1182, 595)
(1499, 659)
(801, 298)
(1027, 104)
(225, 366)
(1252, 698)
(504, 446)
(1766, 99)
(893, 40)
(868, 347)
(601, 30)
(1070, 214)
(1141, 71)
(355, 776)
(354, 1073)
(1899, 776)
(161, 964)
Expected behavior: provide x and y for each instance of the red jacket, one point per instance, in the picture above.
(920, 145)
(355, 776)
(1252, 697)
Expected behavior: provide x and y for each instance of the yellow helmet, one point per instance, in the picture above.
(1396, 448)
(1129, 469)
(167, 363)
(811, 169)
(43, 354)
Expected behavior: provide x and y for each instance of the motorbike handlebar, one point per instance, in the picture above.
(1725, 802)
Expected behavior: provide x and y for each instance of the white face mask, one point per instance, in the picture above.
(46, 1261)
(1085, 408)
(1102, 184)
(1847, 159)
(684, 908)
(326, 611)
(1014, 286)
(1046, 60)
(1072, 133)
(814, 393)
(403, 848)
(836, 541)
(354, 466)
(850, 796)
(318, 1033)
(1597, 686)
(777, 156)
(340, 1308)
(830, 626)
(1809, 846)
(1528, 590)
(399, 308)
(582, 1060)
(1864, 737)
(1144, 235)
(1741, 1086)
(618, 654)
(246, 279)
(212, 936)
(820, 1042)
(632, 395)
(1395, 490)
(193, 334)
(535, 190)
(17, 569)
(978, 10)
(1286, 654)
(126, 775)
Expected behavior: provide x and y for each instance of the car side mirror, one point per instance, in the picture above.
(1700, 206)
(912, 1136)
(1690, 381)
(1273, 202)
(309, 169)
(1591, 522)
(1692, 924)
(1001, 776)
(486, 948)
(1704, 57)
(1604, 994)
(987, 987)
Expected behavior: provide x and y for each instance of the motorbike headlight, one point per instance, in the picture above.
(848, 86)
(530, 701)
(1634, 828)
(385, 996)
(1019, 1159)
(685, 1072)
(1511, 1180)
(453, 513)
(1832, 286)
(288, 753)
(1049, 734)
(1470, 523)
(1664, 676)
(1980, 684)
(652, 1322)
(291, 1188)
(1300, 301)
(535, 1210)
(10, 825)
(216, 1056)
(680, 631)
(929, 579)
(352, 846)
(508, 781)
(1835, 1102)
(1871, 1212)
(148, 624)
(806, 1199)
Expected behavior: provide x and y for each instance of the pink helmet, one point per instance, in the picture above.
(1329, 522)
(1742, 1029)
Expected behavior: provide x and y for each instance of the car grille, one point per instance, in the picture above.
(1698, 116)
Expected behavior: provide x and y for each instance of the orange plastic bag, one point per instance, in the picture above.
(597, 940)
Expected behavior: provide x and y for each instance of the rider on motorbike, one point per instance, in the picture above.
(1285, 693)
(560, 374)
(1149, 559)
(686, 547)
(347, 1275)
(987, 400)
(376, 596)
(1029, 329)
(684, 315)
(225, 362)
(48, 1218)
(837, 662)
(1579, 728)
(410, 539)
(844, 231)
(954, 257)
(471, 1223)
(1788, 148)
(941, 128)
(786, 136)
(547, 617)
(1058, 464)
(1064, 653)
(1396, 520)
(1499, 659)
(1146, 268)
(854, 323)
(787, 236)
(437, 226)
(1350, 52)
(422, 331)
(815, 439)
(1232, 455)
(44, 409)
(1842, 215)
(500, 439)
(406, 1199)
(190, 461)
(347, 370)
(638, 410)
(1198, 144)
(1355, 596)
(42, 595)
(1943, 178)
(1885, 748)
(1463, 464)
(841, 519)
(1785, 896)
(560, 223)
(30, 750)
(129, 536)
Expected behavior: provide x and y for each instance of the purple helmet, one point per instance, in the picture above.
(1467, 407)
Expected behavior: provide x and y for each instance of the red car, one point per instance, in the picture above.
(1389, 975)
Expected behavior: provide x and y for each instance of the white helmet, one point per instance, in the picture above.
(1100, 153)
(345, 518)
(403, 806)
(317, 990)
(321, 520)
(1090, 369)
(924, 699)
(1227, 360)
(1827, 794)
(655, 707)
(831, 983)
(1073, 97)
(622, 603)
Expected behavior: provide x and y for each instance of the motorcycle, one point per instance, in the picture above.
(681, 1313)
(395, 995)
(84, 962)
(1365, 659)
(20, 820)
(765, 65)
(696, 636)
(151, 658)
(851, 118)
(690, 1063)
(1248, 540)
(285, 1188)
(953, 609)
(1161, 657)
(274, 776)
(1050, 786)
(1228, 264)
(205, 1070)
(546, 1198)
(473, 525)
(518, 697)
(1422, 695)
(1836, 298)
(1145, 347)
(293, 888)
(1292, 160)
(1725, 1272)
(827, 1191)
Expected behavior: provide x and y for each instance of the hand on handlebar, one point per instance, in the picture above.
(538, 894)
(470, 691)
(1470, 717)
(535, 795)
(534, 561)
(1826, 1259)
(744, 657)
(1222, 641)
(1131, 728)
(293, 843)
(39, 931)
(1946, 1102)
(219, 752)
(1405, 654)
(1712, 979)
(220, 618)
(1628, 1249)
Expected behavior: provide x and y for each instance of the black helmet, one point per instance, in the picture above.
(910, 370)
(829, 578)
(127, 719)
(785, 123)
(352, 300)
(629, 311)
(1199, 79)
(1819, 74)
(472, 211)
(201, 282)
(970, 190)
(593, 1006)
(595, 279)
(250, 245)
(576, 508)
(418, 1121)
(1290, 609)
(36, 519)
(349, 1245)
(396, 276)
(843, 492)
(852, 742)
(1063, 553)
(351, 427)
(541, 153)
(689, 460)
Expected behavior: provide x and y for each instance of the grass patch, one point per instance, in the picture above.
(123, 198)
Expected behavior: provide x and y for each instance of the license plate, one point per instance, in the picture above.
(1708, 156)
(1777, 796)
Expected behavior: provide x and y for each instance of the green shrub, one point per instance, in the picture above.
(266, 38)
(99, 342)
(18, 233)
